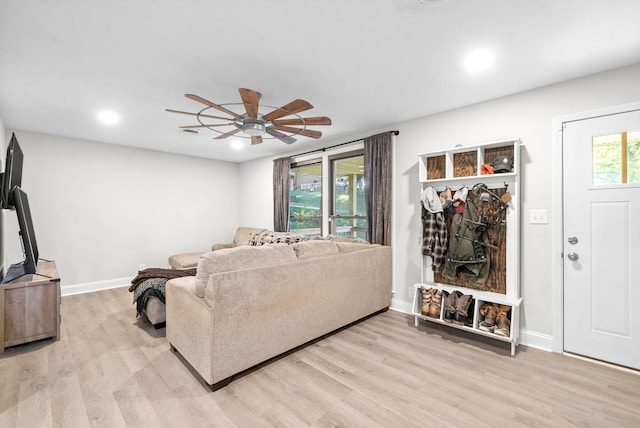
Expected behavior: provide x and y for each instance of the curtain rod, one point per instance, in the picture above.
(324, 149)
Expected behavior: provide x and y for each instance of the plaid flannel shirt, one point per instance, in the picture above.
(434, 237)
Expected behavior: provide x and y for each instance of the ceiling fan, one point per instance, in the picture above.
(254, 124)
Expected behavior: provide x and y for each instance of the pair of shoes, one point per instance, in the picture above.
(489, 312)
(426, 300)
(458, 308)
(503, 325)
(496, 319)
(431, 302)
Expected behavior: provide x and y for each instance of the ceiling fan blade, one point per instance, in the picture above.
(280, 136)
(320, 120)
(256, 139)
(306, 132)
(212, 105)
(295, 106)
(196, 114)
(227, 134)
(250, 99)
(206, 126)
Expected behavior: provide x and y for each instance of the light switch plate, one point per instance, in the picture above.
(538, 217)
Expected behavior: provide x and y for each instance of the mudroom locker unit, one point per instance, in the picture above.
(478, 190)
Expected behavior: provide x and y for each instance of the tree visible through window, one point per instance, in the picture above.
(349, 211)
(345, 197)
(305, 199)
(616, 158)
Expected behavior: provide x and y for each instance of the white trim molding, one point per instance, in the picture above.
(557, 265)
(87, 287)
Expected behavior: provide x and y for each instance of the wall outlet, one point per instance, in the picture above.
(538, 217)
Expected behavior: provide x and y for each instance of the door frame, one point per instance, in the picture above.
(557, 227)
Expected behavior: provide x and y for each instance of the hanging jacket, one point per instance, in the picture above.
(461, 256)
(434, 228)
(434, 237)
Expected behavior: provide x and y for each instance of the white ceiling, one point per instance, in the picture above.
(366, 64)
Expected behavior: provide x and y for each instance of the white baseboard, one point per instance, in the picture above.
(400, 306)
(536, 340)
(88, 287)
(533, 339)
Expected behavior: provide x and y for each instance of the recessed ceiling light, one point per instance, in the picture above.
(237, 144)
(479, 60)
(108, 117)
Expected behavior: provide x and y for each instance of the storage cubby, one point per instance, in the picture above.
(501, 290)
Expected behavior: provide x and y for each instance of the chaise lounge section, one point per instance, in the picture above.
(249, 304)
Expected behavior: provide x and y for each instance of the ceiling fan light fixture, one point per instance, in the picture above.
(253, 128)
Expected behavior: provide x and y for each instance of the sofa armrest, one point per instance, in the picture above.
(215, 247)
(185, 260)
(190, 325)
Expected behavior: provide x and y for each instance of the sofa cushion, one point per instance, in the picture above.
(257, 239)
(309, 249)
(285, 238)
(240, 258)
(346, 239)
(185, 260)
(243, 233)
(267, 237)
(347, 247)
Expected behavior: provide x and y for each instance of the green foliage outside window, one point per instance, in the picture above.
(608, 165)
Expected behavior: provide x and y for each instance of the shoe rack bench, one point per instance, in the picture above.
(456, 168)
(479, 298)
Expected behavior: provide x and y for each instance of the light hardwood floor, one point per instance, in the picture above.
(111, 370)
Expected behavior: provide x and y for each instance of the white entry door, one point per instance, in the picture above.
(601, 203)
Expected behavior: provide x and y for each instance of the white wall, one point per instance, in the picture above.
(102, 210)
(527, 115)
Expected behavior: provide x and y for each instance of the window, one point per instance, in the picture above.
(348, 209)
(341, 209)
(305, 198)
(616, 158)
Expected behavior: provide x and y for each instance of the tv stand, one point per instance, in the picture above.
(30, 306)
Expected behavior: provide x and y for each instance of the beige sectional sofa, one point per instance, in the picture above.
(190, 260)
(248, 304)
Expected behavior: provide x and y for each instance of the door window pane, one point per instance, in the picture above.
(305, 199)
(616, 158)
(349, 213)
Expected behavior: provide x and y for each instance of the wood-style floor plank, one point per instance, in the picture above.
(110, 369)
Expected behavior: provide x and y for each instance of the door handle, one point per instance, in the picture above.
(573, 240)
(572, 256)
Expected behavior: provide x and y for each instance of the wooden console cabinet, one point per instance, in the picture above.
(30, 307)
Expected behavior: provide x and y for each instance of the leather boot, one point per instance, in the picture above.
(489, 312)
(426, 300)
(450, 300)
(462, 309)
(503, 325)
(436, 301)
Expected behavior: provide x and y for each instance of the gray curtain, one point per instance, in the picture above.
(378, 152)
(281, 169)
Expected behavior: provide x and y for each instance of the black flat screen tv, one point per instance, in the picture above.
(12, 175)
(27, 236)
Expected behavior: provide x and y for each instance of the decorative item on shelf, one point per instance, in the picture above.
(502, 164)
(486, 169)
